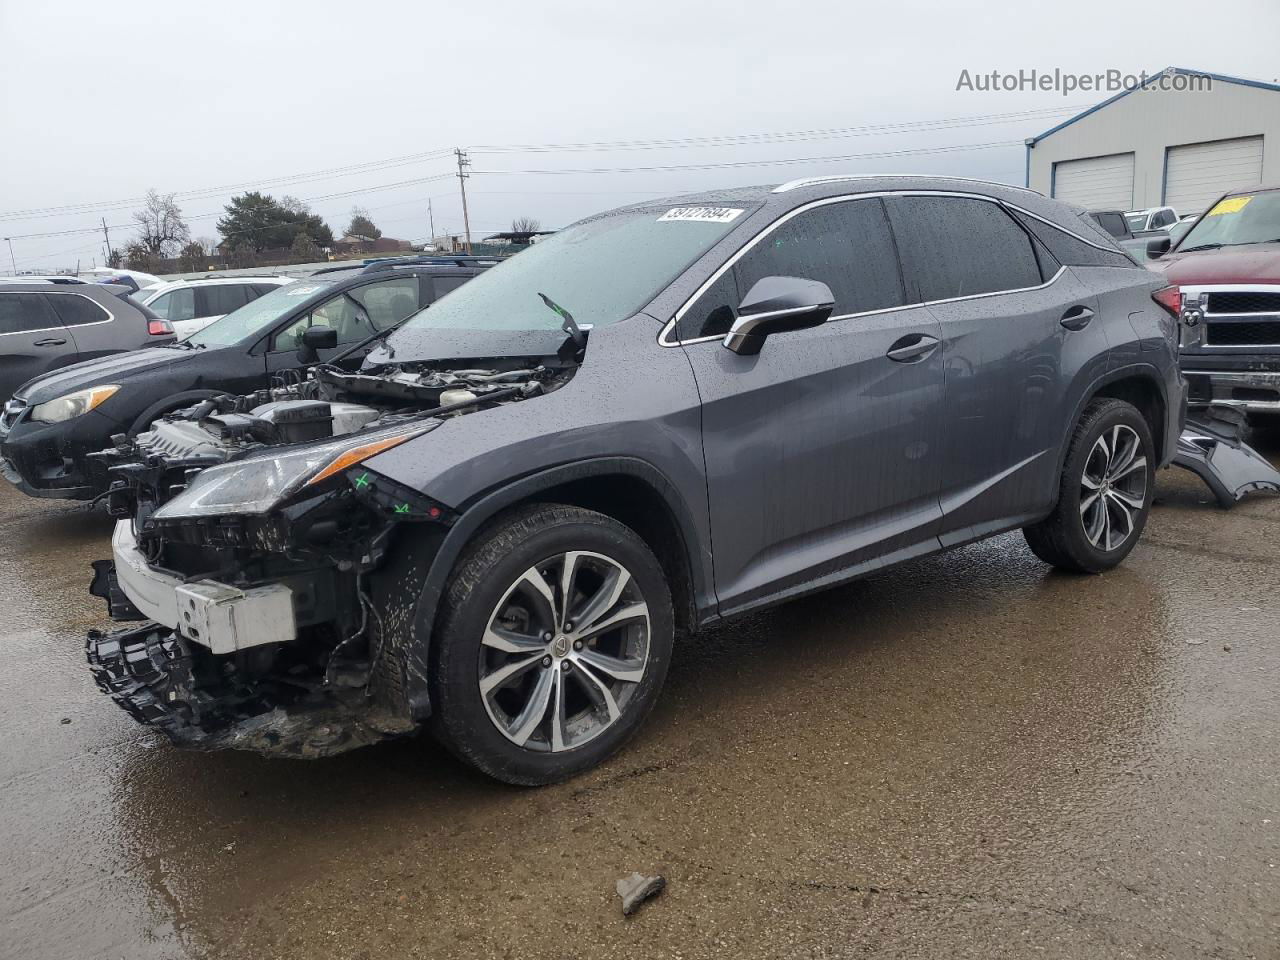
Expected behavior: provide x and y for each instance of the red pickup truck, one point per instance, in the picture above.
(1228, 269)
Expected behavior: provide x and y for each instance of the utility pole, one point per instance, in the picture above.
(12, 262)
(432, 218)
(107, 237)
(463, 163)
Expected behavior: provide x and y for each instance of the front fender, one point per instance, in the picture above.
(439, 555)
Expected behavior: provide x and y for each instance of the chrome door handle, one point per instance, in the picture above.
(912, 347)
(50, 342)
(1077, 318)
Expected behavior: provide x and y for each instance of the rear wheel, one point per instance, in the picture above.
(553, 644)
(1105, 493)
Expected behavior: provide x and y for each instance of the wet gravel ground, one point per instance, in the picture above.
(969, 756)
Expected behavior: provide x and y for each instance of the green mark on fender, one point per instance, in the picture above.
(362, 480)
(403, 508)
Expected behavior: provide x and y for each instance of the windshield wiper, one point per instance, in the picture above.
(1203, 246)
(570, 326)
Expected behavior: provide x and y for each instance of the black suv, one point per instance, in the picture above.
(54, 421)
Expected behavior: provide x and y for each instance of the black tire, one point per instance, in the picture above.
(516, 542)
(1061, 538)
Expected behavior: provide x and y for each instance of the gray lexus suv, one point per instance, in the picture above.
(658, 418)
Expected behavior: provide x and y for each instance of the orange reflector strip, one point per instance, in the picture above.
(356, 454)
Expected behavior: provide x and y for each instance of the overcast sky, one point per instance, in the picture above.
(99, 102)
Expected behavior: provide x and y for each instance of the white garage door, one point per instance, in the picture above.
(1196, 174)
(1099, 183)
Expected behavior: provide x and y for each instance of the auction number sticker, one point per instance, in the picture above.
(702, 214)
(1229, 205)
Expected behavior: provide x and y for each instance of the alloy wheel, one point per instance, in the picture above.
(564, 651)
(1113, 488)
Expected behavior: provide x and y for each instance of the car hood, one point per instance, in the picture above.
(90, 373)
(428, 345)
(1256, 263)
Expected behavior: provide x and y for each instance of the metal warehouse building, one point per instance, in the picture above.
(1177, 140)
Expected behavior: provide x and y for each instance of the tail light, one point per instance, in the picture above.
(1170, 298)
(160, 328)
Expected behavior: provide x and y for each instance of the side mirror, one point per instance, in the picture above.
(778, 305)
(1159, 247)
(315, 339)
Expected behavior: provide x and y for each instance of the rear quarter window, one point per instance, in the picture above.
(1071, 250)
(75, 311)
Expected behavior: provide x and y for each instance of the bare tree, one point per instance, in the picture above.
(209, 245)
(525, 225)
(161, 229)
(294, 205)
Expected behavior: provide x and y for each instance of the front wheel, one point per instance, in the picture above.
(552, 645)
(1105, 493)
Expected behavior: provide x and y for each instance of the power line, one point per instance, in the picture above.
(789, 136)
(732, 164)
(206, 192)
(822, 133)
(219, 213)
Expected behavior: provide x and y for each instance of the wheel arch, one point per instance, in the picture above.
(630, 490)
(1139, 384)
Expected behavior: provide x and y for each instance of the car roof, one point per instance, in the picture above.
(795, 193)
(47, 286)
(212, 281)
(62, 278)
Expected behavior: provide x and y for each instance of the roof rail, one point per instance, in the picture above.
(840, 178)
(373, 266)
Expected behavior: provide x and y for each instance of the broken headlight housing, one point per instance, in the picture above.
(260, 482)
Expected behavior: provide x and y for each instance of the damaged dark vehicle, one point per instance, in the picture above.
(655, 419)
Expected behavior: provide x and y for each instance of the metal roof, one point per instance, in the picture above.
(1168, 71)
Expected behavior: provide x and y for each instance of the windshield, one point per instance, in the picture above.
(601, 271)
(1234, 221)
(254, 317)
(1137, 221)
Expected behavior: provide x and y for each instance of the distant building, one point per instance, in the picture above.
(516, 238)
(1181, 140)
(352, 243)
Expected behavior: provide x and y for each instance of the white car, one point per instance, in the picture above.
(104, 275)
(192, 305)
(1153, 218)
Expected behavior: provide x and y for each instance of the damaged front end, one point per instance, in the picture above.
(257, 547)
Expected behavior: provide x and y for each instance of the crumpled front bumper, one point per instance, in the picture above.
(151, 673)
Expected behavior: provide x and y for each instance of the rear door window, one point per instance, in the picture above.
(960, 247)
(75, 311)
(26, 312)
(388, 302)
(219, 299)
(846, 245)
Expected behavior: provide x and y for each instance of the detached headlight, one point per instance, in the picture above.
(72, 405)
(258, 483)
